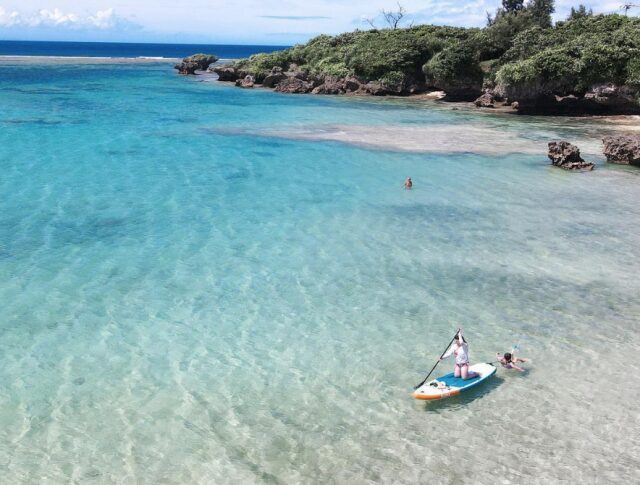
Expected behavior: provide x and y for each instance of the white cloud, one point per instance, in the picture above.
(238, 21)
(9, 19)
(56, 18)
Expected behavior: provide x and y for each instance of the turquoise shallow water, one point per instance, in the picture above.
(186, 299)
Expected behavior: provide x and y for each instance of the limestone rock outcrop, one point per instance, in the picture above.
(485, 101)
(273, 78)
(227, 73)
(294, 85)
(553, 98)
(622, 149)
(247, 82)
(567, 156)
(196, 62)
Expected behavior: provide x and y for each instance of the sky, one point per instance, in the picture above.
(265, 22)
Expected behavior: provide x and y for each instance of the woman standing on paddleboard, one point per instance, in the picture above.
(460, 349)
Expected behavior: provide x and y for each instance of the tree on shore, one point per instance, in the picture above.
(510, 6)
(580, 12)
(513, 17)
(541, 11)
(628, 6)
(393, 18)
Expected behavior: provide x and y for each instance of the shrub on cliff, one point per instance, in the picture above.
(406, 50)
(260, 65)
(376, 55)
(553, 70)
(574, 55)
(456, 70)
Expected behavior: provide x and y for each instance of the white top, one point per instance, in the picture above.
(460, 351)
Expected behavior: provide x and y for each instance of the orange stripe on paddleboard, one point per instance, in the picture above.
(432, 397)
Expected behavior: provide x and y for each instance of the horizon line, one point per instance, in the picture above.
(149, 43)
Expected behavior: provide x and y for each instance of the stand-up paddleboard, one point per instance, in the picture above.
(448, 385)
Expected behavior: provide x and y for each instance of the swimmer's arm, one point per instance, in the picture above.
(447, 353)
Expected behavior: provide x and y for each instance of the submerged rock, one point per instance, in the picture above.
(622, 149)
(567, 156)
(196, 62)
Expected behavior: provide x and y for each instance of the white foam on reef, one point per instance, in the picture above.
(432, 139)
(444, 138)
(84, 59)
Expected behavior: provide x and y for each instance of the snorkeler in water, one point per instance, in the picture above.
(510, 361)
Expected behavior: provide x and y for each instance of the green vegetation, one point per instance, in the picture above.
(374, 55)
(518, 51)
(457, 67)
(574, 55)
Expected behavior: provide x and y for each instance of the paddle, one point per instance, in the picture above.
(438, 361)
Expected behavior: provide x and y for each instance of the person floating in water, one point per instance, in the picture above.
(510, 361)
(408, 183)
(460, 349)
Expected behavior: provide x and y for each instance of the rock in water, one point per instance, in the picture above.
(566, 155)
(622, 149)
(196, 62)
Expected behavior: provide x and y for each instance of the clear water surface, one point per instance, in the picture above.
(123, 50)
(186, 299)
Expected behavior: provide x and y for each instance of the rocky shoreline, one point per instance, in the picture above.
(601, 99)
(297, 81)
(522, 61)
(538, 99)
(619, 149)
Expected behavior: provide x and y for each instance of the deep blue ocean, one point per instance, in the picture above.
(114, 49)
(207, 284)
